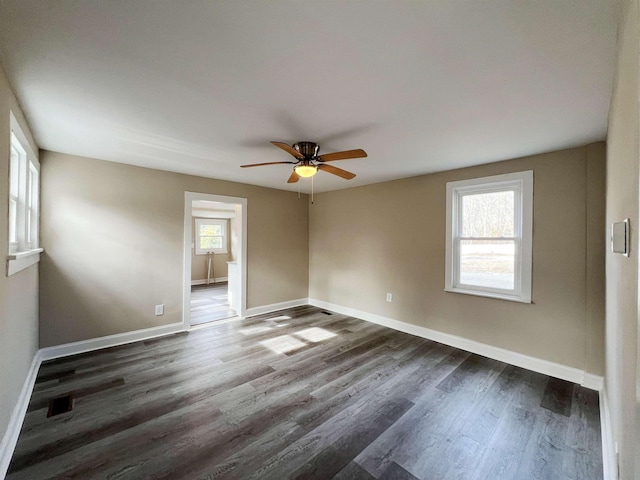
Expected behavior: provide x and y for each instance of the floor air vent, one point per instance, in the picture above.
(60, 405)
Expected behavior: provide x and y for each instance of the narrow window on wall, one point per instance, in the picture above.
(489, 236)
(24, 202)
(211, 236)
(17, 158)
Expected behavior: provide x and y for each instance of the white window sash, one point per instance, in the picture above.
(521, 184)
(24, 202)
(210, 221)
(33, 207)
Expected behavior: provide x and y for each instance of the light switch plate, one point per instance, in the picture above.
(620, 237)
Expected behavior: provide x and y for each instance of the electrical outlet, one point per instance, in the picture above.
(159, 309)
(389, 297)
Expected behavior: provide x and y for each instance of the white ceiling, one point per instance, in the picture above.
(202, 87)
(208, 209)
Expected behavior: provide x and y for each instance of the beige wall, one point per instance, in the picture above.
(18, 293)
(113, 236)
(200, 263)
(390, 237)
(596, 246)
(622, 272)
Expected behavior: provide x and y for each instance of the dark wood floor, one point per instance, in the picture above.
(210, 303)
(304, 394)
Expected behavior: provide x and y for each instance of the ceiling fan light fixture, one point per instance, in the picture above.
(308, 162)
(306, 170)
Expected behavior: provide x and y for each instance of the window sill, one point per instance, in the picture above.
(497, 296)
(18, 261)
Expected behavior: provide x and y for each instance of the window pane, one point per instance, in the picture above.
(488, 214)
(207, 243)
(13, 218)
(33, 186)
(15, 172)
(487, 263)
(32, 218)
(28, 225)
(211, 230)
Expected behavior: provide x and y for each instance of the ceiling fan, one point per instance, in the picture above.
(308, 162)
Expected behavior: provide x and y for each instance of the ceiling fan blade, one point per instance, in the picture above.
(336, 171)
(288, 149)
(294, 177)
(347, 154)
(268, 163)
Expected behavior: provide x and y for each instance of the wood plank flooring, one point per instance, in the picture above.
(210, 303)
(304, 394)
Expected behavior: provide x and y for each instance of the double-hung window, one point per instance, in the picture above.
(24, 202)
(489, 236)
(211, 236)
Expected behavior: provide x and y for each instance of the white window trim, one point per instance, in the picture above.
(520, 181)
(211, 221)
(22, 260)
(23, 254)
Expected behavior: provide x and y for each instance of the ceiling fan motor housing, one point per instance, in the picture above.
(308, 163)
(308, 150)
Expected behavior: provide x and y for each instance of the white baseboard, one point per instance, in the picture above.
(609, 455)
(211, 281)
(571, 374)
(58, 351)
(276, 306)
(539, 365)
(10, 438)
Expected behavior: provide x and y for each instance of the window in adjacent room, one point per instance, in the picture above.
(211, 236)
(24, 202)
(489, 236)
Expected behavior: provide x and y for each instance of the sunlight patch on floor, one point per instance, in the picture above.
(283, 344)
(315, 334)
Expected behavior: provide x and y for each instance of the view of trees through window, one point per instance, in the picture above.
(210, 236)
(487, 244)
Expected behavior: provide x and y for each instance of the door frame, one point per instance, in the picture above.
(189, 197)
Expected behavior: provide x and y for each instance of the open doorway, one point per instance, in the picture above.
(214, 258)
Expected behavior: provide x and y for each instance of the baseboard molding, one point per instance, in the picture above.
(253, 311)
(571, 374)
(58, 351)
(609, 455)
(213, 280)
(10, 438)
(539, 365)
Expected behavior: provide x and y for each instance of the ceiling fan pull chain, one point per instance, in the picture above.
(312, 190)
(298, 190)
